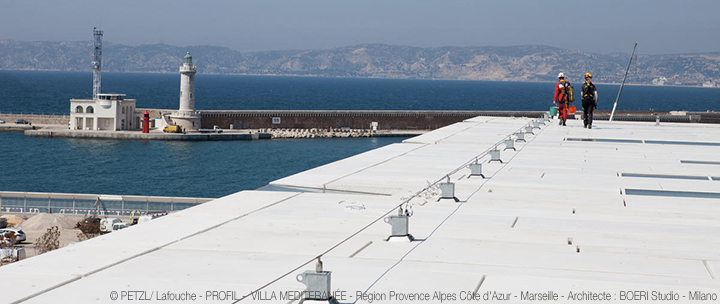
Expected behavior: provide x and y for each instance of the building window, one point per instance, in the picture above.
(276, 120)
(78, 109)
(90, 109)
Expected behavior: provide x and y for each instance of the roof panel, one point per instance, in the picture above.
(551, 216)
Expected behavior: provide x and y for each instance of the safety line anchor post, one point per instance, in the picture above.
(447, 190)
(520, 136)
(529, 129)
(509, 144)
(399, 225)
(476, 169)
(495, 155)
(317, 284)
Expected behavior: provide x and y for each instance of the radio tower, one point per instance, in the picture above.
(97, 61)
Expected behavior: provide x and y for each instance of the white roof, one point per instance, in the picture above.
(558, 215)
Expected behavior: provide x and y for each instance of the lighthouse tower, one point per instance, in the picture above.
(186, 116)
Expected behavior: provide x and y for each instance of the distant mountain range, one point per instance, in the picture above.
(514, 63)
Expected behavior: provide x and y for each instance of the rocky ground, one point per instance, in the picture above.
(316, 133)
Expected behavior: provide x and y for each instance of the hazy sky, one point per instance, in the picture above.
(659, 26)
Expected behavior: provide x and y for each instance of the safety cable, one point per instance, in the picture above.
(437, 227)
(394, 209)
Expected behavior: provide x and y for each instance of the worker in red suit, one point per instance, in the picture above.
(561, 98)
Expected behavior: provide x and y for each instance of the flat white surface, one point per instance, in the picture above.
(552, 217)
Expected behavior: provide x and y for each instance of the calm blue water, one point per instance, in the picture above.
(159, 168)
(50, 92)
(214, 169)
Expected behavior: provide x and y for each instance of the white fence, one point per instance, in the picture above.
(73, 203)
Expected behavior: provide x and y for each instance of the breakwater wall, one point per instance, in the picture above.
(316, 133)
(673, 116)
(338, 133)
(135, 135)
(361, 120)
(40, 119)
(326, 119)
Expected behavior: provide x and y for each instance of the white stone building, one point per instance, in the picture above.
(107, 112)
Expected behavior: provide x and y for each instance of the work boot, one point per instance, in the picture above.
(564, 123)
(589, 126)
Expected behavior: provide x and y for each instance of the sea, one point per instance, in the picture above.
(216, 169)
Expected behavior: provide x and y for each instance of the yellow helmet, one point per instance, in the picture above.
(588, 75)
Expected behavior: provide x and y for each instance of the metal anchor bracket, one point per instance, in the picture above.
(529, 129)
(545, 118)
(400, 225)
(317, 284)
(510, 144)
(476, 169)
(520, 136)
(447, 191)
(495, 155)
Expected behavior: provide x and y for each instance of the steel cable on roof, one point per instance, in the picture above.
(435, 229)
(394, 209)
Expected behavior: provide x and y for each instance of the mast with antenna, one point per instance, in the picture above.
(97, 61)
(623, 82)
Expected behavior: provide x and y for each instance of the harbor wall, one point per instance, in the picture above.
(362, 119)
(39, 119)
(386, 120)
(130, 135)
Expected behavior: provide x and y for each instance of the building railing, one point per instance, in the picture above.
(185, 68)
(74, 203)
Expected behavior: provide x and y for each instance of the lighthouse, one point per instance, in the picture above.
(186, 116)
(187, 85)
